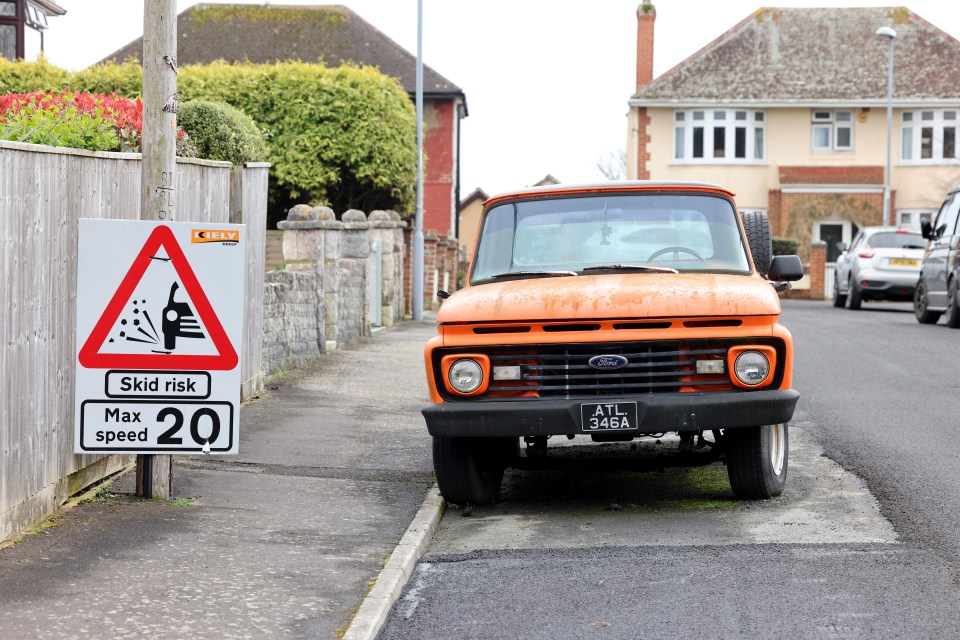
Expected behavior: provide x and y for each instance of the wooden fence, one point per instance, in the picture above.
(43, 192)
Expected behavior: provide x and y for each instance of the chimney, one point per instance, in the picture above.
(646, 14)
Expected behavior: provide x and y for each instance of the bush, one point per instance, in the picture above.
(785, 247)
(123, 79)
(343, 137)
(78, 120)
(51, 120)
(23, 77)
(221, 132)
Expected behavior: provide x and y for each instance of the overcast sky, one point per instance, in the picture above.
(547, 81)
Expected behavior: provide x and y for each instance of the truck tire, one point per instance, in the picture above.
(757, 226)
(470, 470)
(757, 459)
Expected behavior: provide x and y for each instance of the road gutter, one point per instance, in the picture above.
(373, 611)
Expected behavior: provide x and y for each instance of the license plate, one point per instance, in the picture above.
(608, 416)
(903, 262)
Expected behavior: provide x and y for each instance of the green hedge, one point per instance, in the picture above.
(24, 77)
(221, 132)
(785, 247)
(343, 137)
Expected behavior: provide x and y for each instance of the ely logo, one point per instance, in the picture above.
(214, 235)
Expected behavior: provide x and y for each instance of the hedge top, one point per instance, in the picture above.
(272, 33)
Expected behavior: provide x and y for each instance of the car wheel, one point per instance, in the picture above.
(757, 459)
(952, 315)
(853, 297)
(470, 470)
(920, 309)
(838, 299)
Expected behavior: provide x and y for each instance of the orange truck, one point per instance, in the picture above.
(609, 313)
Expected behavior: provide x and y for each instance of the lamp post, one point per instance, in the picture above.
(890, 35)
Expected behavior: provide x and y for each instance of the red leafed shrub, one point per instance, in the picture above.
(82, 120)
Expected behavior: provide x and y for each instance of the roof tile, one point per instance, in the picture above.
(816, 54)
(265, 34)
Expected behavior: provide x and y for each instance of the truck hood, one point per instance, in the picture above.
(604, 296)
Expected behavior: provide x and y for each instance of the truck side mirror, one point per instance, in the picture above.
(926, 229)
(785, 268)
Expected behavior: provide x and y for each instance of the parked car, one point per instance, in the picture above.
(614, 312)
(882, 263)
(936, 293)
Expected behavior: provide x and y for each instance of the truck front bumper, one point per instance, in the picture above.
(656, 413)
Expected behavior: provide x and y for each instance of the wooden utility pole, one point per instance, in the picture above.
(158, 170)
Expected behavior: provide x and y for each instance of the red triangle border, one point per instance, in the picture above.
(90, 356)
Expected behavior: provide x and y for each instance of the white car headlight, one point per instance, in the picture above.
(751, 367)
(465, 375)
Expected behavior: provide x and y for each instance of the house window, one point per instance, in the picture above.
(8, 29)
(929, 135)
(832, 130)
(912, 218)
(718, 136)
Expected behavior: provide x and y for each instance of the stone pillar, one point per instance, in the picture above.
(430, 238)
(384, 228)
(818, 265)
(400, 265)
(352, 262)
(305, 251)
(408, 271)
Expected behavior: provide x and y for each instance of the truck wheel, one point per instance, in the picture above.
(470, 470)
(920, 306)
(757, 226)
(757, 460)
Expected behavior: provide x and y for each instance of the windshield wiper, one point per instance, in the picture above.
(628, 267)
(528, 274)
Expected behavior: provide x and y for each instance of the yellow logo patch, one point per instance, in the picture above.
(214, 235)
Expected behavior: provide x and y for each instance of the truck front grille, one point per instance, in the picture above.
(652, 367)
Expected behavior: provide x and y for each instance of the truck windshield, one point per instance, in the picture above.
(606, 233)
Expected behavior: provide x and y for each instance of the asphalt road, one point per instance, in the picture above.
(616, 555)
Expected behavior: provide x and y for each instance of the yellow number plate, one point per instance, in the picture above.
(902, 262)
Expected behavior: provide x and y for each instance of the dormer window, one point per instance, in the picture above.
(718, 136)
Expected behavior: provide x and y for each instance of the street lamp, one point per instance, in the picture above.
(890, 35)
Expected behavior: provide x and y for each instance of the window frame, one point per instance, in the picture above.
(913, 123)
(715, 136)
(829, 120)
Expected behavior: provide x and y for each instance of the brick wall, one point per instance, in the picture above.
(643, 140)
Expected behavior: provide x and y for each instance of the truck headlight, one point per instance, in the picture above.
(465, 375)
(751, 368)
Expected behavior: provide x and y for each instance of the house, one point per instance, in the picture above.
(788, 108)
(335, 35)
(469, 224)
(22, 24)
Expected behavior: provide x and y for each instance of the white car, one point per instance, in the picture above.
(882, 263)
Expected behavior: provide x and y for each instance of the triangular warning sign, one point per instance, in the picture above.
(92, 355)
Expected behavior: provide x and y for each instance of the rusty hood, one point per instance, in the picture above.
(632, 295)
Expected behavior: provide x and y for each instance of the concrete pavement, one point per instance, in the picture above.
(282, 541)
